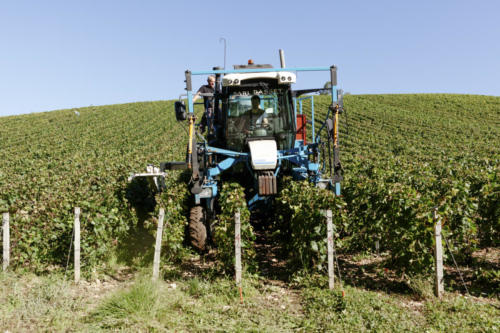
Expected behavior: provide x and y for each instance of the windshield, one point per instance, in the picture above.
(259, 113)
(239, 105)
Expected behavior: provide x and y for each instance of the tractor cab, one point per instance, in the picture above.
(257, 106)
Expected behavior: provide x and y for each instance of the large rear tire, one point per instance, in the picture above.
(197, 228)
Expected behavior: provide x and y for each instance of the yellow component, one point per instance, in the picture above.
(190, 143)
(335, 127)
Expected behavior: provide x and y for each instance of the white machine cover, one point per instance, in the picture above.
(263, 154)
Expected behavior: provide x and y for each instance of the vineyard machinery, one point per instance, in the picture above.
(256, 134)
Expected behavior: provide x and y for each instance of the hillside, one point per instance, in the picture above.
(402, 156)
(53, 161)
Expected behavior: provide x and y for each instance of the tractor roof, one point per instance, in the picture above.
(234, 79)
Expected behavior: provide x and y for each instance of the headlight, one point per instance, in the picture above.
(236, 81)
(283, 78)
(289, 78)
(229, 81)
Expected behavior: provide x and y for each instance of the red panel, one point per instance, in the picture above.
(301, 128)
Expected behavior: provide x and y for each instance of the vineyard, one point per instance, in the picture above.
(51, 162)
(406, 155)
(403, 156)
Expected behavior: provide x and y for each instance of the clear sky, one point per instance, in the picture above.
(64, 54)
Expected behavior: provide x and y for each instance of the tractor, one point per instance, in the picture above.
(254, 132)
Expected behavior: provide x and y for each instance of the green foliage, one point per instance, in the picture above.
(232, 198)
(394, 200)
(302, 222)
(488, 279)
(52, 162)
(175, 202)
(404, 155)
(489, 210)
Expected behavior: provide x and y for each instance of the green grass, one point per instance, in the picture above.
(211, 303)
(367, 311)
(31, 303)
(129, 308)
(197, 304)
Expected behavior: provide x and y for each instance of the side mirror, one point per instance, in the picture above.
(180, 111)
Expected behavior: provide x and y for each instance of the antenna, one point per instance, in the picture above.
(282, 58)
(220, 40)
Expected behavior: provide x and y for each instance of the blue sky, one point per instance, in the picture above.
(65, 54)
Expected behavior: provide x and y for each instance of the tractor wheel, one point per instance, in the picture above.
(197, 228)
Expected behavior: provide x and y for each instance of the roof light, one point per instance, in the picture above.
(250, 61)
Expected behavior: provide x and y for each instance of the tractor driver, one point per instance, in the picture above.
(255, 112)
(252, 118)
(208, 101)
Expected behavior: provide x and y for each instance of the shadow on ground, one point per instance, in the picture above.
(371, 273)
(137, 247)
(481, 275)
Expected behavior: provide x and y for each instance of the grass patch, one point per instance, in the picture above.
(30, 303)
(196, 304)
(358, 311)
(209, 302)
(361, 310)
(421, 286)
(212, 304)
(462, 314)
(135, 307)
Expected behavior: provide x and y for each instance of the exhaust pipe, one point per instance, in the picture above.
(282, 58)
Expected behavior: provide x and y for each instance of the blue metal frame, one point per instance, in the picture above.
(297, 155)
(262, 70)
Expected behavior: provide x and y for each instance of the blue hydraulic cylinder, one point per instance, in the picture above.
(222, 166)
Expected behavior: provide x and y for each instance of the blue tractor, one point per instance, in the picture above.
(254, 133)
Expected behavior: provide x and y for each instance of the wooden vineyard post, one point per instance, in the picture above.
(77, 244)
(159, 234)
(237, 251)
(6, 241)
(438, 256)
(237, 247)
(329, 235)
